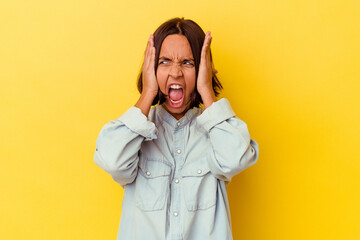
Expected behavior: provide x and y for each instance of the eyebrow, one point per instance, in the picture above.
(168, 59)
(164, 58)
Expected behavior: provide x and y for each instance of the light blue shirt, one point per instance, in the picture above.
(174, 172)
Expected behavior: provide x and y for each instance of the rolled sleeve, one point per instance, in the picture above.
(233, 149)
(218, 112)
(137, 122)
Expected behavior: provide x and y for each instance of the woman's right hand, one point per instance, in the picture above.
(150, 85)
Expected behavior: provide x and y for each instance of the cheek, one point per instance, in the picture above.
(190, 81)
(161, 79)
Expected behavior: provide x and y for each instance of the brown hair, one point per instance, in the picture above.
(195, 35)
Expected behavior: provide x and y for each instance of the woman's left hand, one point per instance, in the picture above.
(204, 80)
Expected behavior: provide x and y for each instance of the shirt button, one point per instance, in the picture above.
(176, 180)
(199, 171)
(178, 151)
(178, 123)
(148, 173)
(176, 214)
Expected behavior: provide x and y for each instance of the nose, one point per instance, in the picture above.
(175, 71)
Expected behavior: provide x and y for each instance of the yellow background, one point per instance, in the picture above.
(290, 69)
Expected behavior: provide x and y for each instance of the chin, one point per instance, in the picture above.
(178, 109)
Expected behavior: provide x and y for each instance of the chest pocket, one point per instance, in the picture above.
(152, 184)
(199, 185)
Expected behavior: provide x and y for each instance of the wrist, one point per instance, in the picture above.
(149, 94)
(145, 102)
(208, 98)
(205, 90)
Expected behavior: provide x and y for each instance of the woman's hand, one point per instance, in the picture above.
(204, 80)
(150, 86)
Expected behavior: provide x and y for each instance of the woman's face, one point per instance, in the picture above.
(176, 74)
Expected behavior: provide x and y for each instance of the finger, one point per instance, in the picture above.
(147, 53)
(152, 58)
(207, 49)
(208, 42)
(152, 51)
(206, 46)
(147, 46)
(151, 40)
(203, 49)
(208, 39)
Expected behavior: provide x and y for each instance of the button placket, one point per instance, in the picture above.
(178, 148)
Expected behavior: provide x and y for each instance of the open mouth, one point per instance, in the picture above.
(176, 95)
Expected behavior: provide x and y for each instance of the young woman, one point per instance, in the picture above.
(175, 159)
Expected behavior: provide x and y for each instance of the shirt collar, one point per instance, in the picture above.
(167, 117)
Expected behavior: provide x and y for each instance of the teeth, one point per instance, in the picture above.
(174, 86)
(175, 101)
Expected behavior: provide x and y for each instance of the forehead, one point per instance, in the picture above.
(176, 45)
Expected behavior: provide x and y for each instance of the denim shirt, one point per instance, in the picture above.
(174, 172)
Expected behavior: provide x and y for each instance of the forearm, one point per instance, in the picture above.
(117, 152)
(208, 97)
(144, 103)
(233, 150)
(119, 142)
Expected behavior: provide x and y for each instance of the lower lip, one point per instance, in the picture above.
(177, 104)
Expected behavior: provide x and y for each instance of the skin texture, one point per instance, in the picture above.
(176, 67)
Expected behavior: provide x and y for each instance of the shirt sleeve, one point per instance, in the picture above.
(232, 148)
(119, 142)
